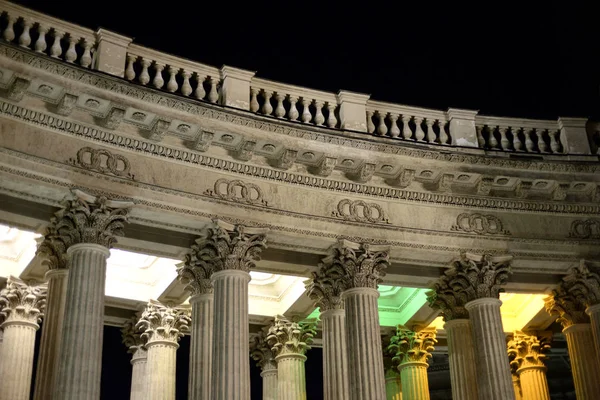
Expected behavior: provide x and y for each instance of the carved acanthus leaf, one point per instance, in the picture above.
(163, 323)
(527, 350)
(390, 364)
(583, 283)
(410, 346)
(566, 307)
(474, 277)
(449, 302)
(89, 219)
(52, 250)
(199, 264)
(22, 302)
(261, 351)
(327, 285)
(287, 337)
(364, 265)
(132, 337)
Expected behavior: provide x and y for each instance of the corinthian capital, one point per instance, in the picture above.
(287, 337)
(132, 337)
(410, 346)
(527, 350)
(200, 263)
(568, 309)
(449, 302)
(261, 352)
(161, 323)
(327, 285)
(20, 302)
(390, 361)
(583, 283)
(90, 219)
(473, 276)
(364, 265)
(52, 250)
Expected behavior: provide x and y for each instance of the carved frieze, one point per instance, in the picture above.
(103, 161)
(481, 224)
(66, 104)
(17, 90)
(158, 130)
(238, 191)
(203, 141)
(360, 211)
(246, 152)
(585, 229)
(113, 118)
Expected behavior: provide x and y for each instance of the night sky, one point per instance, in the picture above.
(535, 59)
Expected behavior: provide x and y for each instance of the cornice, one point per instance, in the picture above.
(76, 129)
(247, 119)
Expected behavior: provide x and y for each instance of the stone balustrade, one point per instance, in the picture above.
(44, 34)
(344, 111)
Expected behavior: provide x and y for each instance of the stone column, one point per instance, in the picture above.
(459, 333)
(21, 308)
(580, 341)
(412, 350)
(261, 352)
(162, 327)
(516, 385)
(527, 358)
(289, 342)
(136, 345)
(53, 254)
(326, 289)
(477, 281)
(393, 385)
(88, 227)
(363, 266)
(231, 251)
(195, 273)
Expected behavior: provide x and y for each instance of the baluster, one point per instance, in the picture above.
(542, 146)
(331, 120)
(430, 135)
(381, 128)
(517, 144)
(480, 138)
(279, 109)
(267, 108)
(56, 49)
(319, 117)
(40, 44)
(158, 81)
(213, 95)
(293, 113)
(394, 130)
(528, 142)
(419, 134)
(199, 93)
(443, 135)
(86, 57)
(370, 125)
(71, 54)
(25, 38)
(172, 83)
(504, 142)
(129, 71)
(492, 141)
(554, 144)
(186, 88)
(9, 32)
(144, 75)
(254, 100)
(406, 132)
(306, 115)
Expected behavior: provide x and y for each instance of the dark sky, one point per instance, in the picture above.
(530, 58)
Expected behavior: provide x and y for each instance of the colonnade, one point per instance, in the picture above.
(344, 286)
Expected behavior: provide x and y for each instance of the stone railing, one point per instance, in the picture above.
(344, 111)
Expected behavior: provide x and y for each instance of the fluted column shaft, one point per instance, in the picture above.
(517, 387)
(594, 313)
(231, 369)
(160, 370)
(291, 377)
(534, 385)
(80, 358)
(461, 356)
(47, 364)
(269, 381)
(335, 357)
(365, 360)
(16, 363)
(393, 386)
(415, 385)
(201, 347)
(494, 378)
(584, 361)
(139, 361)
